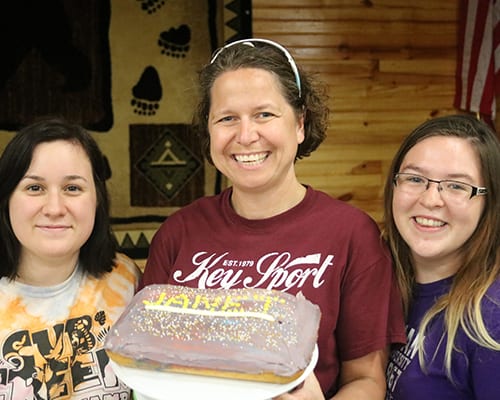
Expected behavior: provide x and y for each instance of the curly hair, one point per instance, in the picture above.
(252, 53)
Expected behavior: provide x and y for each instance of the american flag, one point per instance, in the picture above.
(478, 58)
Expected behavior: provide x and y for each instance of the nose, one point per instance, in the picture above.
(247, 132)
(431, 197)
(54, 204)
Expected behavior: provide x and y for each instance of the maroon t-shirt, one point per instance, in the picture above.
(324, 248)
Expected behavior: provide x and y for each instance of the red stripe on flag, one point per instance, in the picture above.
(476, 82)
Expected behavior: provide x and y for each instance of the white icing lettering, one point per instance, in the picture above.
(224, 314)
(218, 305)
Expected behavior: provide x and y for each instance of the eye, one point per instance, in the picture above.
(265, 115)
(34, 188)
(73, 189)
(226, 119)
(414, 179)
(456, 186)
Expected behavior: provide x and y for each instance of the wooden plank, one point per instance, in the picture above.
(358, 68)
(362, 38)
(349, 14)
(397, 103)
(419, 67)
(415, 79)
(331, 152)
(406, 29)
(363, 118)
(420, 4)
(350, 88)
(335, 80)
(311, 53)
(355, 167)
(340, 182)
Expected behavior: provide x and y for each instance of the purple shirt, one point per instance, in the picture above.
(475, 369)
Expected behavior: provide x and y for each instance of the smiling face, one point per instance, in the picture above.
(254, 132)
(433, 228)
(52, 209)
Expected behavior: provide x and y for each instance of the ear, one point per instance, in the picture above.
(300, 132)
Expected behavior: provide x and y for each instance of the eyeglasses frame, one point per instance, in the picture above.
(476, 190)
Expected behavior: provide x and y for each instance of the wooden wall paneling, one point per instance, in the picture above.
(389, 65)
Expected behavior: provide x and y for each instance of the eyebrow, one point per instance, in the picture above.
(66, 178)
(458, 177)
(260, 108)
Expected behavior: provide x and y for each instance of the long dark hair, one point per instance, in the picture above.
(98, 252)
(481, 252)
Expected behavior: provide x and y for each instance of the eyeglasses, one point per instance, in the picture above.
(451, 190)
(251, 43)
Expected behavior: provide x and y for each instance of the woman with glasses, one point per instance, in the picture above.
(442, 214)
(258, 114)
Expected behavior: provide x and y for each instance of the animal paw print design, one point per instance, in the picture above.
(175, 41)
(151, 6)
(147, 93)
(100, 317)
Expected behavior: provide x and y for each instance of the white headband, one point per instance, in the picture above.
(250, 42)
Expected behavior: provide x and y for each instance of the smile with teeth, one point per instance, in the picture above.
(429, 222)
(251, 159)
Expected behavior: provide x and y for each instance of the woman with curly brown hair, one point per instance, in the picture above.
(258, 114)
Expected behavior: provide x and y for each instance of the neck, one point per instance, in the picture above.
(39, 272)
(428, 271)
(261, 205)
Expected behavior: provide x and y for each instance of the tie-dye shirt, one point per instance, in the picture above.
(51, 338)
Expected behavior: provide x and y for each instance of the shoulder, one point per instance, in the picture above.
(490, 307)
(338, 206)
(125, 261)
(202, 207)
(493, 292)
(180, 224)
(340, 214)
(491, 299)
(351, 231)
(127, 269)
